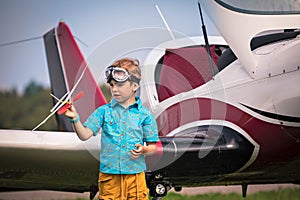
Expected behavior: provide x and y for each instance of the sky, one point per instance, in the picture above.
(93, 22)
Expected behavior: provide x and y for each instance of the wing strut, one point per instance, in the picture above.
(165, 22)
(206, 43)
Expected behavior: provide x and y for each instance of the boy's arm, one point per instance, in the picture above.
(149, 149)
(82, 132)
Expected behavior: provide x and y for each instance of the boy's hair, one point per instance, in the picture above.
(130, 65)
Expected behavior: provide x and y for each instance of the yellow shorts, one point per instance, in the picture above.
(122, 186)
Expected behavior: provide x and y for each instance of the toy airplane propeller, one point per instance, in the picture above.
(62, 105)
(68, 104)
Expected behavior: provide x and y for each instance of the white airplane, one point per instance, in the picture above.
(227, 108)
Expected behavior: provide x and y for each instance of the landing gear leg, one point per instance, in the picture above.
(157, 198)
(93, 191)
(244, 189)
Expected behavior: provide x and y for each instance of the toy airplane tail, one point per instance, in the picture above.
(68, 70)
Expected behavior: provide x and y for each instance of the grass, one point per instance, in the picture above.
(280, 194)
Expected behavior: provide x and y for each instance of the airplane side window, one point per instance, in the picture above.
(271, 38)
(183, 69)
(228, 56)
(226, 59)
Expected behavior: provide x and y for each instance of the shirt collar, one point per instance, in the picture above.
(137, 103)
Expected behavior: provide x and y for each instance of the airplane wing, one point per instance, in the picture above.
(47, 160)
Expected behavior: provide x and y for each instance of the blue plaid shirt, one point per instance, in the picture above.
(122, 129)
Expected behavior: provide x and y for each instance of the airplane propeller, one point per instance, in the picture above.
(68, 104)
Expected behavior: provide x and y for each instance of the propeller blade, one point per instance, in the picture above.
(63, 109)
(78, 96)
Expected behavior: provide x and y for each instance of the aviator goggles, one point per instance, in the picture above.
(118, 74)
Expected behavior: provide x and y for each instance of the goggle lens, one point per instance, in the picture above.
(116, 73)
(119, 75)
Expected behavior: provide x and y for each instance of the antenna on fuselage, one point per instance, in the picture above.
(165, 22)
(206, 42)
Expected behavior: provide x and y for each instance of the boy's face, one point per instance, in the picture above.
(123, 92)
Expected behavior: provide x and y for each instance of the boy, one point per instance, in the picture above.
(126, 125)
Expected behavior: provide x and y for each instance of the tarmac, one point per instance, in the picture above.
(51, 195)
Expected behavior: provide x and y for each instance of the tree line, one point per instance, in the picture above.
(26, 110)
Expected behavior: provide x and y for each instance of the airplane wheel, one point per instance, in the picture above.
(158, 185)
(160, 189)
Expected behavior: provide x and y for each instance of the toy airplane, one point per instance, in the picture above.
(63, 103)
(61, 106)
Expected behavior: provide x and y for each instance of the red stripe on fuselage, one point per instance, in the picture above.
(276, 145)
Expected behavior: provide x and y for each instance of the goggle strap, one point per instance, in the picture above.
(134, 79)
(110, 75)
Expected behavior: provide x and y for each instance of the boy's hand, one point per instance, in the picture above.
(135, 153)
(71, 113)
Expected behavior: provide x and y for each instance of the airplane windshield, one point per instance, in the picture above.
(263, 6)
